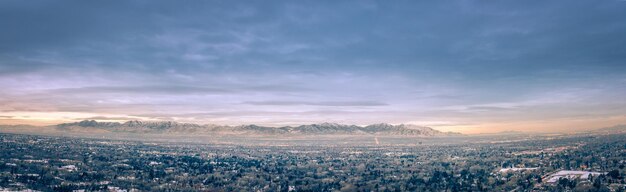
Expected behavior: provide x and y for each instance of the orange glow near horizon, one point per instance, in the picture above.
(556, 126)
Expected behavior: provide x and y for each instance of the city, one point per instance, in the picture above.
(56, 163)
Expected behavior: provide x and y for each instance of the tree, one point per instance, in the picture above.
(614, 174)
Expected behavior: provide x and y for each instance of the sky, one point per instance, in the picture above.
(454, 65)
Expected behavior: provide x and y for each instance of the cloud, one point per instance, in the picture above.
(160, 89)
(327, 103)
(174, 89)
(106, 118)
(488, 108)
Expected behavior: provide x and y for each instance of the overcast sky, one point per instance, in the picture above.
(469, 66)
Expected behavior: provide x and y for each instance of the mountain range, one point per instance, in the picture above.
(171, 127)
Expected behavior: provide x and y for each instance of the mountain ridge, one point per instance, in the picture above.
(174, 127)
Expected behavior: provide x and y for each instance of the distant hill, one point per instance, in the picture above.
(190, 128)
(612, 129)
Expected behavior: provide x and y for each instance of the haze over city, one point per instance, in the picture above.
(463, 66)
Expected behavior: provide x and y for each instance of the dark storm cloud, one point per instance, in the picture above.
(504, 38)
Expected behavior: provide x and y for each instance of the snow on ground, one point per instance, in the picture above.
(571, 175)
(503, 170)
